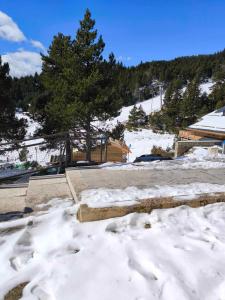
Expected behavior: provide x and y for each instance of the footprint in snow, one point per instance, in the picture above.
(143, 269)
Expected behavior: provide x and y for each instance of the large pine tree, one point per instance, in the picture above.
(81, 84)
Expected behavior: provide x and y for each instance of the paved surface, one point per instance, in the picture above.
(12, 199)
(43, 189)
(39, 190)
(80, 180)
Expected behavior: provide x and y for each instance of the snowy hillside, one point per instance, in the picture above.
(142, 142)
(207, 87)
(154, 104)
(149, 106)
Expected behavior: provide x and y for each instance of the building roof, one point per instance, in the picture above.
(214, 121)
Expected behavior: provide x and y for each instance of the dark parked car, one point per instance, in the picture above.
(150, 157)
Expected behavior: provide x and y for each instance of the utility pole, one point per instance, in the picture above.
(36, 149)
(160, 92)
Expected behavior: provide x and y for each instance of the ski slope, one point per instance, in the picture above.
(153, 104)
(142, 142)
(149, 106)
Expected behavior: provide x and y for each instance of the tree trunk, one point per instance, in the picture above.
(68, 151)
(88, 141)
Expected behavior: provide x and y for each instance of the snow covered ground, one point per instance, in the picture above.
(207, 87)
(180, 257)
(142, 142)
(198, 158)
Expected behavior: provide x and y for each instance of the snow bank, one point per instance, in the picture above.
(181, 257)
(103, 197)
(203, 153)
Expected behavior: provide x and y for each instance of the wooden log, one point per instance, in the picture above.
(88, 214)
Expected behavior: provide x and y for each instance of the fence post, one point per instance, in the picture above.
(68, 150)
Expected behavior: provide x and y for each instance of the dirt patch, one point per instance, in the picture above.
(16, 293)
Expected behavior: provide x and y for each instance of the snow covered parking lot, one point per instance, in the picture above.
(172, 254)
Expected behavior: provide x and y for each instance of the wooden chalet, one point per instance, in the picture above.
(112, 151)
(211, 126)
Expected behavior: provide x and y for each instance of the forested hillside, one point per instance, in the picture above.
(142, 82)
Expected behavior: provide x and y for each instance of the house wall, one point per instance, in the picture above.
(207, 133)
(114, 154)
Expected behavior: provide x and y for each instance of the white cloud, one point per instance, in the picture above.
(9, 29)
(37, 45)
(23, 63)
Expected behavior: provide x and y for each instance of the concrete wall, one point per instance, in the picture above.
(183, 146)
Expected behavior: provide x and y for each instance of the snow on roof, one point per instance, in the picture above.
(214, 121)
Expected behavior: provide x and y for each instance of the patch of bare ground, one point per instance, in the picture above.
(16, 293)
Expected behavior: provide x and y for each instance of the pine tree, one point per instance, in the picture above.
(172, 102)
(117, 132)
(23, 154)
(142, 118)
(133, 118)
(81, 84)
(217, 97)
(137, 117)
(191, 103)
(10, 127)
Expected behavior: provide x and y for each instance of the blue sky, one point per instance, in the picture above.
(135, 30)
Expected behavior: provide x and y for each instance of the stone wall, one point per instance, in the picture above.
(183, 146)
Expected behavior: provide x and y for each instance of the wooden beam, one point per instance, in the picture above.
(88, 214)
